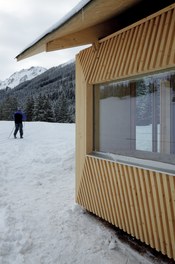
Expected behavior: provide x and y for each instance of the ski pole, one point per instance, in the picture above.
(11, 132)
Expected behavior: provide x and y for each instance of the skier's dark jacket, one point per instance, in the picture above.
(19, 117)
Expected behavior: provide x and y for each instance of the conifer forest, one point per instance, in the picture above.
(48, 97)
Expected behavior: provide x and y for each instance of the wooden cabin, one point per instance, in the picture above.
(125, 112)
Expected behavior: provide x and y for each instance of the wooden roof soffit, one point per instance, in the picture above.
(81, 29)
(87, 36)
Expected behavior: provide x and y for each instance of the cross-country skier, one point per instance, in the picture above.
(19, 116)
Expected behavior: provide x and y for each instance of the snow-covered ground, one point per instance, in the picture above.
(39, 220)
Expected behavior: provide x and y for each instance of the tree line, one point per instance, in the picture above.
(48, 97)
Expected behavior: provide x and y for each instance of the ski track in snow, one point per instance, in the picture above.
(39, 220)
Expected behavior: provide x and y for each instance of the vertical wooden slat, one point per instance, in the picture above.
(97, 187)
(150, 25)
(125, 199)
(150, 50)
(132, 50)
(109, 59)
(172, 205)
(130, 200)
(129, 54)
(111, 192)
(93, 189)
(172, 42)
(115, 48)
(168, 216)
(117, 196)
(134, 63)
(104, 60)
(150, 208)
(163, 38)
(153, 199)
(134, 200)
(143, 31)
(156, 205)
(102, 198)
(101, 55)
(86, 62)
(117, 55)
(142, 232)
(102, 191)
(125, 55)
(89, 190)
(113, 195)
(122, 51)
(171, 214)
(102, 183)
(95, 66)
(163, 233)
(143, 206)
(106, 191)
(158, 40)
(122, 196)
(147, 211)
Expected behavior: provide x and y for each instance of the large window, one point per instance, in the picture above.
(136, 118)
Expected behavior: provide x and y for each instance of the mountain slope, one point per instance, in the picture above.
(21, 76)
(48, 97)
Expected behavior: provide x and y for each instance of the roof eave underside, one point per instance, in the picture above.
(86, 26)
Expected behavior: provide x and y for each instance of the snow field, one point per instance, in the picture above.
(39, 220)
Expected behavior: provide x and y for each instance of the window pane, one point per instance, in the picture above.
(136, 118)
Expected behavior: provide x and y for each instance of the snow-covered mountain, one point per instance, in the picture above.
(21, 76)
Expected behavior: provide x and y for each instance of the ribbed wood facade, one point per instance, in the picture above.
(139, 201)
(138, 49)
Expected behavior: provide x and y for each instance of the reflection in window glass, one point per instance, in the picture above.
(136, 117)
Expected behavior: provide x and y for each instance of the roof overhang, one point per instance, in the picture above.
(88, 22)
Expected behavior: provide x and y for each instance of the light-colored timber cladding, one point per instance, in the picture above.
(85, 26)
(138, 201)
(143, 47)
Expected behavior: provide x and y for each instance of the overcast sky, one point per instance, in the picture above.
(23, 21)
